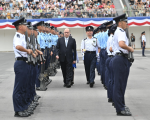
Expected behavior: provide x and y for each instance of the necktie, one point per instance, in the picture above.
(66, 41)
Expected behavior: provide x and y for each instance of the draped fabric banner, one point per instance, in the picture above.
(78, 22)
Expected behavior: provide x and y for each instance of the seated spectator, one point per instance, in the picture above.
(40, 10)
(37, 14)
(0, 14)
(62, 14)
(79, 13)
(112, 5)
(113, 11)
(49, 14)
(71, 11)
(3, 15)
(33, 7)
(33, 14)
(21, 14)
(99, 13)
(147, 13)
(1, 8)
(7, 3)
(16, 16)
(11, 4)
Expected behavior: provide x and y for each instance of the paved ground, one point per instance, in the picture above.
(80, 102)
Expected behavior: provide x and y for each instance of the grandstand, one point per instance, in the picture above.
(38, 9)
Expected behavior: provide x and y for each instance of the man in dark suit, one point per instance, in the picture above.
(64, 48)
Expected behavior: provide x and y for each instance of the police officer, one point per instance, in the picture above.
(61, 34)
(21, 69)
(89, 46)
(143, 44)
(41, 42)
(109, 70)
(121, 65)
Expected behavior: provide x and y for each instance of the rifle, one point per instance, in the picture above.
(130, 54)
(28, 46)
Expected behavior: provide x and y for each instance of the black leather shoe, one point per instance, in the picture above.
(91, 85)
(21, 114)
(110, 100)
(38, 88)
(127, 109)
(68, 86)
(113, 104)
(124, 113)
(64, 85)
(72, 83)
(105, 87)
(88, 82)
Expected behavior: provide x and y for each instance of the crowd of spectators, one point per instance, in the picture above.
(36, 9)
(139, 8)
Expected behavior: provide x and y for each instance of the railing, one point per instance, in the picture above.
(71, 14)
(58, 14)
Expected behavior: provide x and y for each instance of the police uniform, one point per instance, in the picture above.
(103, 53)
(121, 67)
(90, 45)
(109, 70)
(21, 73)
(41, 41)
(143, 47)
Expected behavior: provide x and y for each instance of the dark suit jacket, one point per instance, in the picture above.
(62, 51)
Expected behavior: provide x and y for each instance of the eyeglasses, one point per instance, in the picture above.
(66, 32)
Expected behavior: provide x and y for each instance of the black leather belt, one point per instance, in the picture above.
(22, 58)
(121, 54)
(110, 56)
(92, 52)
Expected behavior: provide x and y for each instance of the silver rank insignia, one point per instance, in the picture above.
(94, 42)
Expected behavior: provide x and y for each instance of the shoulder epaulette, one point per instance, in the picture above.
(85, 38)
(95, 37)
(121, 30)
(18, 35)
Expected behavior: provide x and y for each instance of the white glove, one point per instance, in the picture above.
(97, 55)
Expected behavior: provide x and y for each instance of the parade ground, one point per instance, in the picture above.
(80, 102)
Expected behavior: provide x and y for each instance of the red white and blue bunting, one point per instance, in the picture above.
(78, 22)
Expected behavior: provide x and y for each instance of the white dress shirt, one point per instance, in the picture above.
(66, 41)
(143, 38)
(90, 44)
(120, 35)
(110, 44)
(19, 39)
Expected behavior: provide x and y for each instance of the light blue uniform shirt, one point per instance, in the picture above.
(102, 40)
(45, 39)
(49, 40)
(40, 40)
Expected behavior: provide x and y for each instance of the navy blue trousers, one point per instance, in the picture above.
(47, 59)
(103, 60)
(99, 64)
(111, 80)
(29, 85)
(19, 92)
(90, 64)
(121, 67)
(38, 73)
(143, 49)
(107, 74)
(34, 76)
